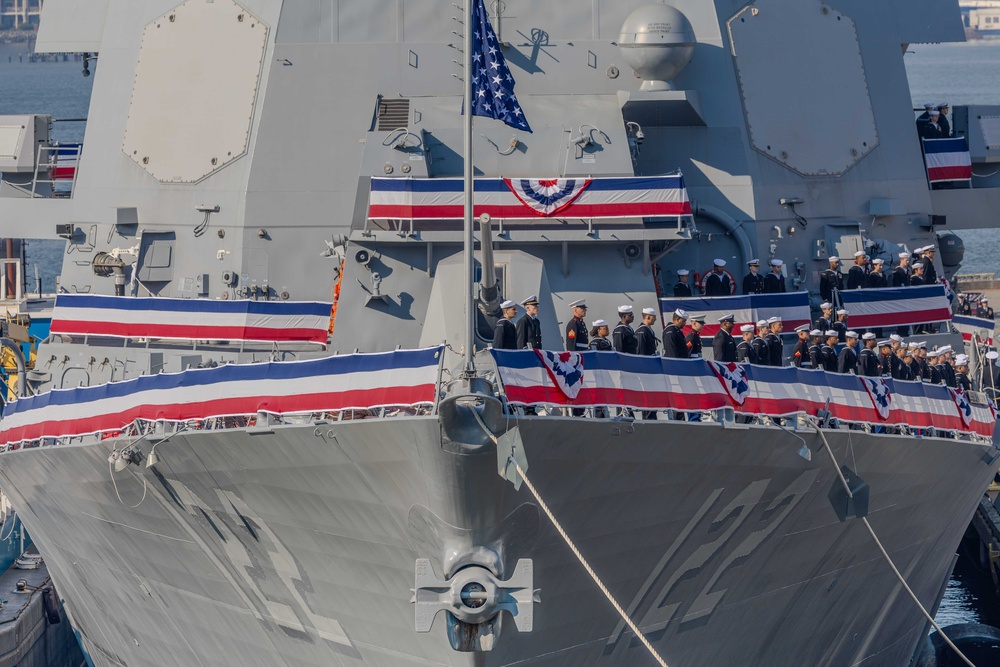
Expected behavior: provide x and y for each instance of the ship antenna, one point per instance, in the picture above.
(470, 308)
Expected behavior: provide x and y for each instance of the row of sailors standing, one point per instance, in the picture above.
(760, 344)
(933, 122)
(865, 274)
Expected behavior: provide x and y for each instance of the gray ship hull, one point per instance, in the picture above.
(296, 546)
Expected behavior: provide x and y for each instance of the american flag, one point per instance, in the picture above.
(492, 83)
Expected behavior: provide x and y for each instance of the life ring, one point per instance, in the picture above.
(732, 281)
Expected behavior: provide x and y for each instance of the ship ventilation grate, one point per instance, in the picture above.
(392, 114)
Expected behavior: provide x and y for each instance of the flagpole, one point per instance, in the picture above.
(470, 313)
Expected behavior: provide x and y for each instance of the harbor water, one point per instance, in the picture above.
(955, 73)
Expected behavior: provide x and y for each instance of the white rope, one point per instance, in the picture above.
(572, 546)
(586, 566)
(885, 554)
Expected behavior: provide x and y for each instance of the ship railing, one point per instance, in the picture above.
(58, 163)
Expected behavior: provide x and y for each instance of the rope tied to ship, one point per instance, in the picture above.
(572, 547)
(885, 554)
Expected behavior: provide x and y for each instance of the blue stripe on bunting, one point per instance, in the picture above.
(956, 145)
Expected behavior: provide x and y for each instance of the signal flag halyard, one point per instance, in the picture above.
(493, 85)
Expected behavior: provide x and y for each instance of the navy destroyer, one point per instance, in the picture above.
(266, 429)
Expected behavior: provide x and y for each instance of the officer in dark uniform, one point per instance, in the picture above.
(760, 345)
(674, 345)
(877, 279)
(829, 351)
(827, 319)
(840, 326)
(912, 367)
(717, 283)
(505, 333)
(529, 329)
(984, 309)
(599, 337)
(816, 349)
(745, 353)
(648, 343)
(901, 274)
(623, 339)
(930, 274)
(800, 354)
(868, 357)
(753, 282)
(857, 276)
(920, 354)
(947, 370)
(774, 282)
(577, 337)
(885, 358)
(693, 339)
(935, 367)
(943, 118)
(681, 288)
(775, 351)
(723, 345)
(847, 361)
(831, 279)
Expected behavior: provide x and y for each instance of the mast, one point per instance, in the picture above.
(470, 308)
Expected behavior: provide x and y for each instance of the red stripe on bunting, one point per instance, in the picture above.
(960, 173)
(359, 399)
(897, 319)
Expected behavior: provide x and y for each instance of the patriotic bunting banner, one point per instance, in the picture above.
(191, 319)
(359, 381)
(66, 159)
(947, 160)
(527, 199)
(974, 326)
(791, 307)
(895, 306)
(658, 383)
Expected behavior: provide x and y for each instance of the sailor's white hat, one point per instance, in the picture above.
(918, 265)
(719, 262)
(843, 311)
(815, 332)
(992, 355)
(878, 261)
(834, 258)
(508, 304)
(761, 323)
(649, 311)
(776, 262)
(860, 253)
(897, 338)
(683, 272)
(826, 305)
(624, 309)
(681, 313)
(904, 255)
(851, 334)
(599, 323)
(747, 328)
(831, 333)
(773, 320)
(868, 336)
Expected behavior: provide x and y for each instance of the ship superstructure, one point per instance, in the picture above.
(228, 193)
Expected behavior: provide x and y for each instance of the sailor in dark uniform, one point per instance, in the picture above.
(962, 373)
(577, 337)
(921, 356)
(753, 282)
(831, 279)
(847, 360)
(947, 370)
(505, 333)
(717, 283)
(775, 351)
(816, 349)
(673, 336)
(901, 274)
(917, 274)
(745, 353)
(829, 351)
(529, 329)
(681, 287)
(868, 358)
(599, 337)
(930, 274)
(933, 363)
(885, 358)
(840, 326)
(912, 367)
(900, 370)
(648, 342)
(623, 339)
(693, 339)
(774, 282)
(724, 345)
(877, 279)
(760, 345)
(826, 320)
(800, 353)
(984, 309)
(857, 276)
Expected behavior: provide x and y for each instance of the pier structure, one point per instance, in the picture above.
(16, 14)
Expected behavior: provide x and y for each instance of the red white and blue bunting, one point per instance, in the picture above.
(357, 381)
(527, 199)
(895, 306)
(658, 383)
(191, 319)
(791, 307)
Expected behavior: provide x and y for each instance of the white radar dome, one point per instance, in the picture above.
(657, 41)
